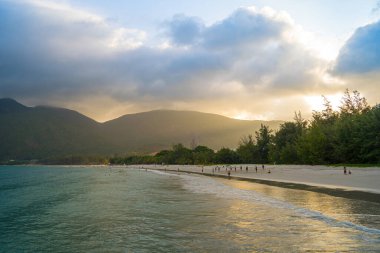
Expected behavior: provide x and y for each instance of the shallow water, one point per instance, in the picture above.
(83, 209)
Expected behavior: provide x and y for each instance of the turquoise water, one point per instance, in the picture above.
(83, 209)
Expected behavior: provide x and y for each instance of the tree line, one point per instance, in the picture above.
(349, 135)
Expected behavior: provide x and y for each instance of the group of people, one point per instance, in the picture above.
(229, 169)
(345, 171)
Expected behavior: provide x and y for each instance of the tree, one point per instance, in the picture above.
(337, 137)
(284, 149)
(284, 143)
(263, 141)
(247, 150)
(203, 155)
(227, 156)
(313, 147)
(327, 115)
(359, 137)
(165, 156)
(353, 104)
(369, 136)
(348, 127)
(181, 155)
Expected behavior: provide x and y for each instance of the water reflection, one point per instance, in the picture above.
(256, 226)
(261, 225)
(356, 211)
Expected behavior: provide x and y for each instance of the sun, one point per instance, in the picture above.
(316, 103)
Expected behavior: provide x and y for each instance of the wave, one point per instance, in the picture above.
(159, 172)
(205, 185)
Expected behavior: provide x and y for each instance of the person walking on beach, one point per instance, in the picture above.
(256, 168)
(262, 166)
(246, 169)
(344, 170)
(229, 175)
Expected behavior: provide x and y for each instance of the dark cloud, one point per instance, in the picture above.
(49, 54)
(361, 53)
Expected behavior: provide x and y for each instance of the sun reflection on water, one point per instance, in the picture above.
(314, 233)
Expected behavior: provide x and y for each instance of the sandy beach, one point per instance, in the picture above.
(360, 179)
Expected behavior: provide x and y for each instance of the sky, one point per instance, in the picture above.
(258, 59)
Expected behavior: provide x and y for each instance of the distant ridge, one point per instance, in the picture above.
(42, 132)
(8, 105)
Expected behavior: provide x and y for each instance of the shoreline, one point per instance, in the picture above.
(357, 193)
(363, 184)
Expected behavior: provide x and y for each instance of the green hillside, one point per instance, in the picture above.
(33, 133)
(156, 130)
(43, 132)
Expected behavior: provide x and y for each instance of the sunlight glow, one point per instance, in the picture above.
(321, 46)
(316, 102)
(243, 116)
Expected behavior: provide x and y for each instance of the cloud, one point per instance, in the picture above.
(254, 49)
(376, 9)
(184, 30)
(358, 62)
(49, 48)
(361, 53)
(53, 53)
(244, 28)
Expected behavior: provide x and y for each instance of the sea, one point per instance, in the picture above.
(116, 209)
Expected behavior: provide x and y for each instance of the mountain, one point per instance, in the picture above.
(42, 132)
(8, 105)
(156, 130)
(37, 132)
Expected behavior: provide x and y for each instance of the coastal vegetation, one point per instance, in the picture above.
(350, 135)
